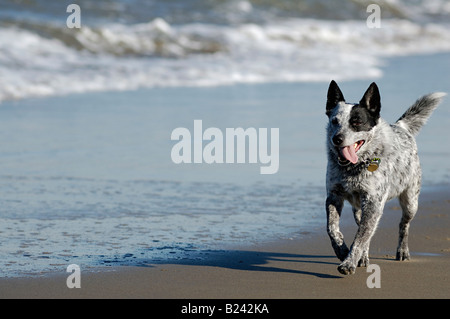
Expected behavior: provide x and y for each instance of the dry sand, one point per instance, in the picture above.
(301, 268)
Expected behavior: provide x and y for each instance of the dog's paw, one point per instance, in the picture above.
(364, 261)
(346, 269)
(402, 254)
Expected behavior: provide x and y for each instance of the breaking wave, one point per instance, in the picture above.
(136, 44)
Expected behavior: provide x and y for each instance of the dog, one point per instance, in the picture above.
(369, 163)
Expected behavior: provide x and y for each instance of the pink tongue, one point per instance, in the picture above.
(349, 153)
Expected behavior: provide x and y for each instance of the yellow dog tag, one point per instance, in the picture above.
(374, 164)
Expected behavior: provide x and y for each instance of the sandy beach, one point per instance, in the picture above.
(291, 269)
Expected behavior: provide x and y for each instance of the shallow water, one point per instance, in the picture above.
(88, 179)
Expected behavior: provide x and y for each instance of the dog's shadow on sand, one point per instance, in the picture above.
(237, 260)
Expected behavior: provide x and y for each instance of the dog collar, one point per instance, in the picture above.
(373, 164)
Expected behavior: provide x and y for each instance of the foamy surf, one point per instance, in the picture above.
(248, 44)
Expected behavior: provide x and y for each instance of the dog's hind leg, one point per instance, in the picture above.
(334, 205)
(409, 201)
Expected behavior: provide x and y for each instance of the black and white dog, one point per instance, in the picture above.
(369, 163)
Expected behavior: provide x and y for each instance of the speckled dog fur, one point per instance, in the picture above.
(360, 127)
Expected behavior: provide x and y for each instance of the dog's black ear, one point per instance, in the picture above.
(372, 101)
(334, 96)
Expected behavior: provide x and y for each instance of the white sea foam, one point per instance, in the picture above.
(123, 57)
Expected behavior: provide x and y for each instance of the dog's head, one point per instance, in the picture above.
(350, 126)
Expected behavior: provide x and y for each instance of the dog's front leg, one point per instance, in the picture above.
(364, 261)
(334, 205)
(371, 212)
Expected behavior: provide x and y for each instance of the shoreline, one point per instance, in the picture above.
(286, 269)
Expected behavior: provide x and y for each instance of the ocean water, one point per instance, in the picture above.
(129, 44)
(86, 115)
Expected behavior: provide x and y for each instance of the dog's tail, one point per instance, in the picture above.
(417, 115)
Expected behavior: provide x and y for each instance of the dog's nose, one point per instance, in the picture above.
(338, 139)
